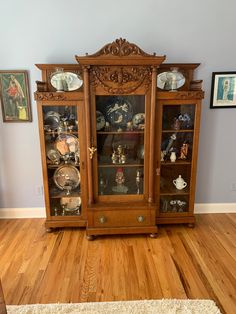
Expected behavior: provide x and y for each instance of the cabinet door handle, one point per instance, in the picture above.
(140, 218)
(92, 150)
(102, 219)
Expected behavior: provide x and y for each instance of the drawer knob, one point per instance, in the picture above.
(102, 219)
(140, 218)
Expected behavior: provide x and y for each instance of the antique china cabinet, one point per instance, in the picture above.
(119, 137)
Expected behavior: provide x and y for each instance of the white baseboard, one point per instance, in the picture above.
(11, 213)
(39, 212)
(214, 208)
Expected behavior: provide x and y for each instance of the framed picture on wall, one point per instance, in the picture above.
(223, 90)
(14, 96)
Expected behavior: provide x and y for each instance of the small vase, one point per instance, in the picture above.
(173, 157)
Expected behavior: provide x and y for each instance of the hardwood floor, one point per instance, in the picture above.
(198, 263)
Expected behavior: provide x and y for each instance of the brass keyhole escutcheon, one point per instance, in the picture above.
(102, 219)
(140, 218)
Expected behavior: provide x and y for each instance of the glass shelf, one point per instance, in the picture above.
(56, 193)
(62, 132)
(53, 166)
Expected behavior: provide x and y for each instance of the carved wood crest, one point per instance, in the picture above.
(119, 79)
(49, 96)
(191, 94)
(121, 47)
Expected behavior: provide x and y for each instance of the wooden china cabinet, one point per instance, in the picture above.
(119, 152)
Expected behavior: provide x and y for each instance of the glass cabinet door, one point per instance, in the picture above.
(120, 136)
(176, 158)
(62, 150)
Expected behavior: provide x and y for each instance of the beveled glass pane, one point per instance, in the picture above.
(63, 159)
(120, 144)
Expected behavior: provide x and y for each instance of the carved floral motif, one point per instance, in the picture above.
(121, 79)
(49, 96)
(193, 94)
(121, 47)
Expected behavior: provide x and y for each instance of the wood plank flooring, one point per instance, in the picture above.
(198, 263)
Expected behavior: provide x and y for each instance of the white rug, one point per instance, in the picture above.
(121, 307)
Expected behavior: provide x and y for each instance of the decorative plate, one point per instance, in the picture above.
(71, 204)
(54, 156)
(119, 112)
(67, 177)
(100, 120)
(71, 80)
(164, 78)
(67, 143)
(140, 151)
(52, 120)
(139, 121)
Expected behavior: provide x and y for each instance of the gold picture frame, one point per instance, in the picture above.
(14, 95)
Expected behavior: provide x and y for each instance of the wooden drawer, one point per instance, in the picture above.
(121, 218)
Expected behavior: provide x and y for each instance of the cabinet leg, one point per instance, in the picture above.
(90, 237)
(49, 230)
(153, 235)
(191, 225)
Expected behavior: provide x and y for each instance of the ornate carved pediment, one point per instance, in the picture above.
(121, 80)
(121, 47)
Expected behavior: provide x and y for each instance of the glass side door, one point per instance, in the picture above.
(120, 141)
(61, 128)
(177, 141)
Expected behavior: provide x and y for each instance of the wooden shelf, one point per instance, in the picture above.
(58, 133)
(176, 192)
(117, 132)
(59, 194)
(172, 213)
(51, 166)
(119, 165)
(178, 131)
(176, 163)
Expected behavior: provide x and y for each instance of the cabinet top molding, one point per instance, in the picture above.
(120, 52)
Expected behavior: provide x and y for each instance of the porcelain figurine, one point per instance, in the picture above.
(184, 151)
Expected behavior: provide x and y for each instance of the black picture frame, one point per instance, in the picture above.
(223, 90)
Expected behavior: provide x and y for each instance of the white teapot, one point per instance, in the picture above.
(179, 183)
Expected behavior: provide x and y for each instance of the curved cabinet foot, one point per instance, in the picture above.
(191, 225)
(153, 235)
(90, 237)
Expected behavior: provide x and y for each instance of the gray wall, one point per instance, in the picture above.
(53, 31)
